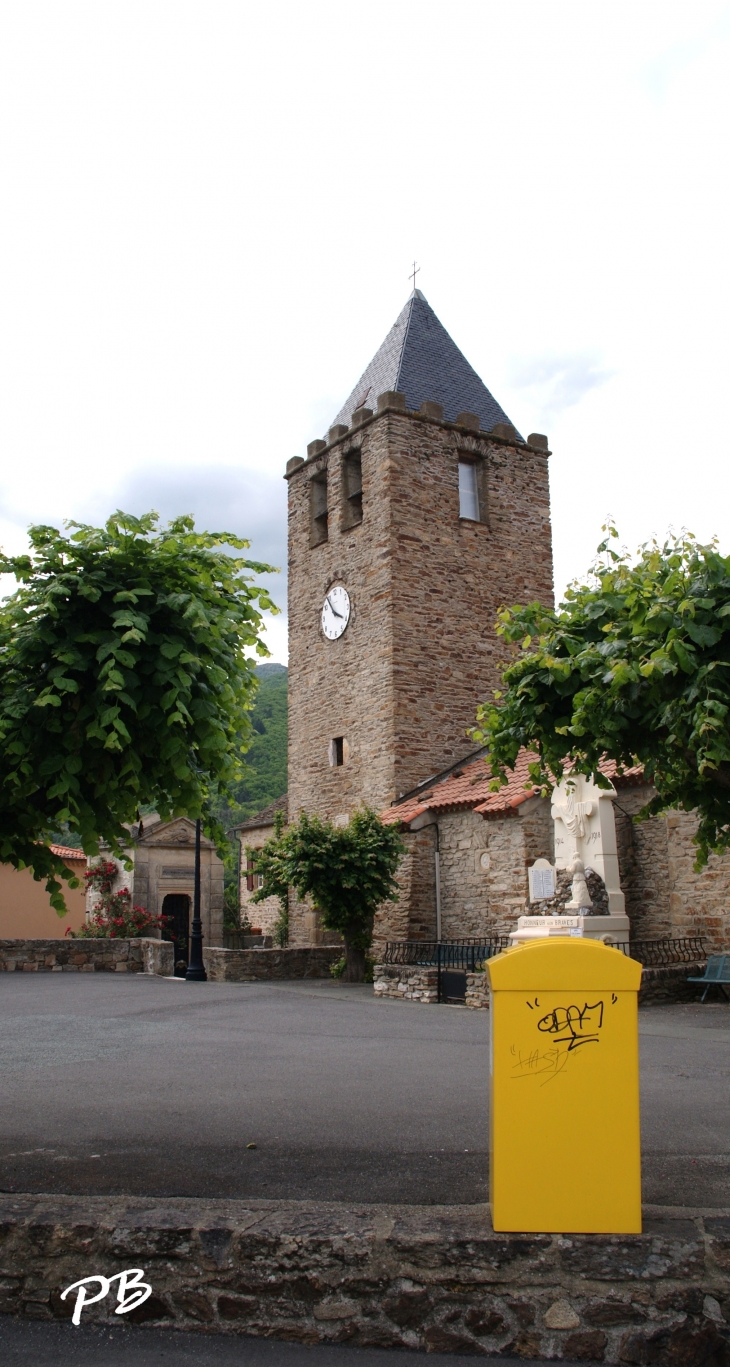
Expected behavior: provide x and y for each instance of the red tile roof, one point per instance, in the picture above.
(68, 852)
(469, 788)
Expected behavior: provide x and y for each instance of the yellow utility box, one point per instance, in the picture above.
(565, 1147)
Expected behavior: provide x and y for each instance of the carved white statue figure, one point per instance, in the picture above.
(585, 827)
(580, 898)
(574, 814)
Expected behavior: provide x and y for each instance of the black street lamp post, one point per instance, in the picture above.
(196, 969)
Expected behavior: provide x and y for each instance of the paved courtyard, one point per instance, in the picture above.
(114, 1084)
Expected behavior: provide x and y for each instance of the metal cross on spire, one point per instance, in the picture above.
(414, 273)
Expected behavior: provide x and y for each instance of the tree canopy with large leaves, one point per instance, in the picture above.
(633, 666)
(125, 681)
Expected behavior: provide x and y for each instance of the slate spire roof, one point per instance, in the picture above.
(419, 359)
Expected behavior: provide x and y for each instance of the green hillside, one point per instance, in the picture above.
(266, 778)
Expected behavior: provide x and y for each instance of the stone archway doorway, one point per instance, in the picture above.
(176, 907)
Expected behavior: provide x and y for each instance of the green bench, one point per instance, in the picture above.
(717, 972)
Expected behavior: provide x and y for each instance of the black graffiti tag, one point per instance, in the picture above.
(573, 1025)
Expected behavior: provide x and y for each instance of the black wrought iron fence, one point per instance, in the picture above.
(467, 954)
(662, 953)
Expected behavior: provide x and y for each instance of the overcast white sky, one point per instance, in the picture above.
(209, 211)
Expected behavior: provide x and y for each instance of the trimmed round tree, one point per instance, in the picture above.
(126, 680)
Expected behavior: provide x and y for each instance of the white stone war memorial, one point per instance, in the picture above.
(585, 844)
(411, 522)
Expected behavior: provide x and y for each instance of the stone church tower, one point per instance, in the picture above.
(420, 515)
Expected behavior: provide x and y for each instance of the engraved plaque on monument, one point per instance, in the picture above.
(541, 876)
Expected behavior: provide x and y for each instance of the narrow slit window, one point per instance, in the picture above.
(337, 751)
(318, 508)
(468, 490)
(352, 489)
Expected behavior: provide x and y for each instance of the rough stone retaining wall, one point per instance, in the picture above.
(416, 983)
(477, 991)
(670, 984)
(434, 1277)
(86, 956)
(261, 965)
(405, 982)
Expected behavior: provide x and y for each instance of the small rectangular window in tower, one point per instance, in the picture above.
(337, 751)
(468, 490)
(351, 489)
(318, 508)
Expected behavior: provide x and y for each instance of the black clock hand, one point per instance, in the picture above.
(333, 608)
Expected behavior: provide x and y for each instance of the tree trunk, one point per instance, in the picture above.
(355, 966)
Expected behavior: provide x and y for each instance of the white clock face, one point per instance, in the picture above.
(336, 612)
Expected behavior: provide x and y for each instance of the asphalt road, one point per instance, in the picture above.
(46, 1345)
(147, 1086)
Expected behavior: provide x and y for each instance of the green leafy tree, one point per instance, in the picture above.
(125, 682)
(634, 665)
(348, 871)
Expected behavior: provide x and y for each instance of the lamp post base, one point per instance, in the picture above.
(196, 974)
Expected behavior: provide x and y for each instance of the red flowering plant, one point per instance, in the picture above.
(114, 917)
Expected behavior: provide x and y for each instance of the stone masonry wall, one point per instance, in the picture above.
(411, 1277)
(264, 914)
(413, 915)
(419, 983)
(263, 965)
(665, 897)
(402, 683)
(406, 982)
(86, 956)
(483, 868)
(699, 903)
(463, 840)
(643, 865)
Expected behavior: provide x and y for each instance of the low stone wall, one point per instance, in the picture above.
(433, 1277)
(261, 965)
(477, 991)
(406, 982)
(670, 984)
(158, 957)
(411, 982)
(86, 956)
(416, 983)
